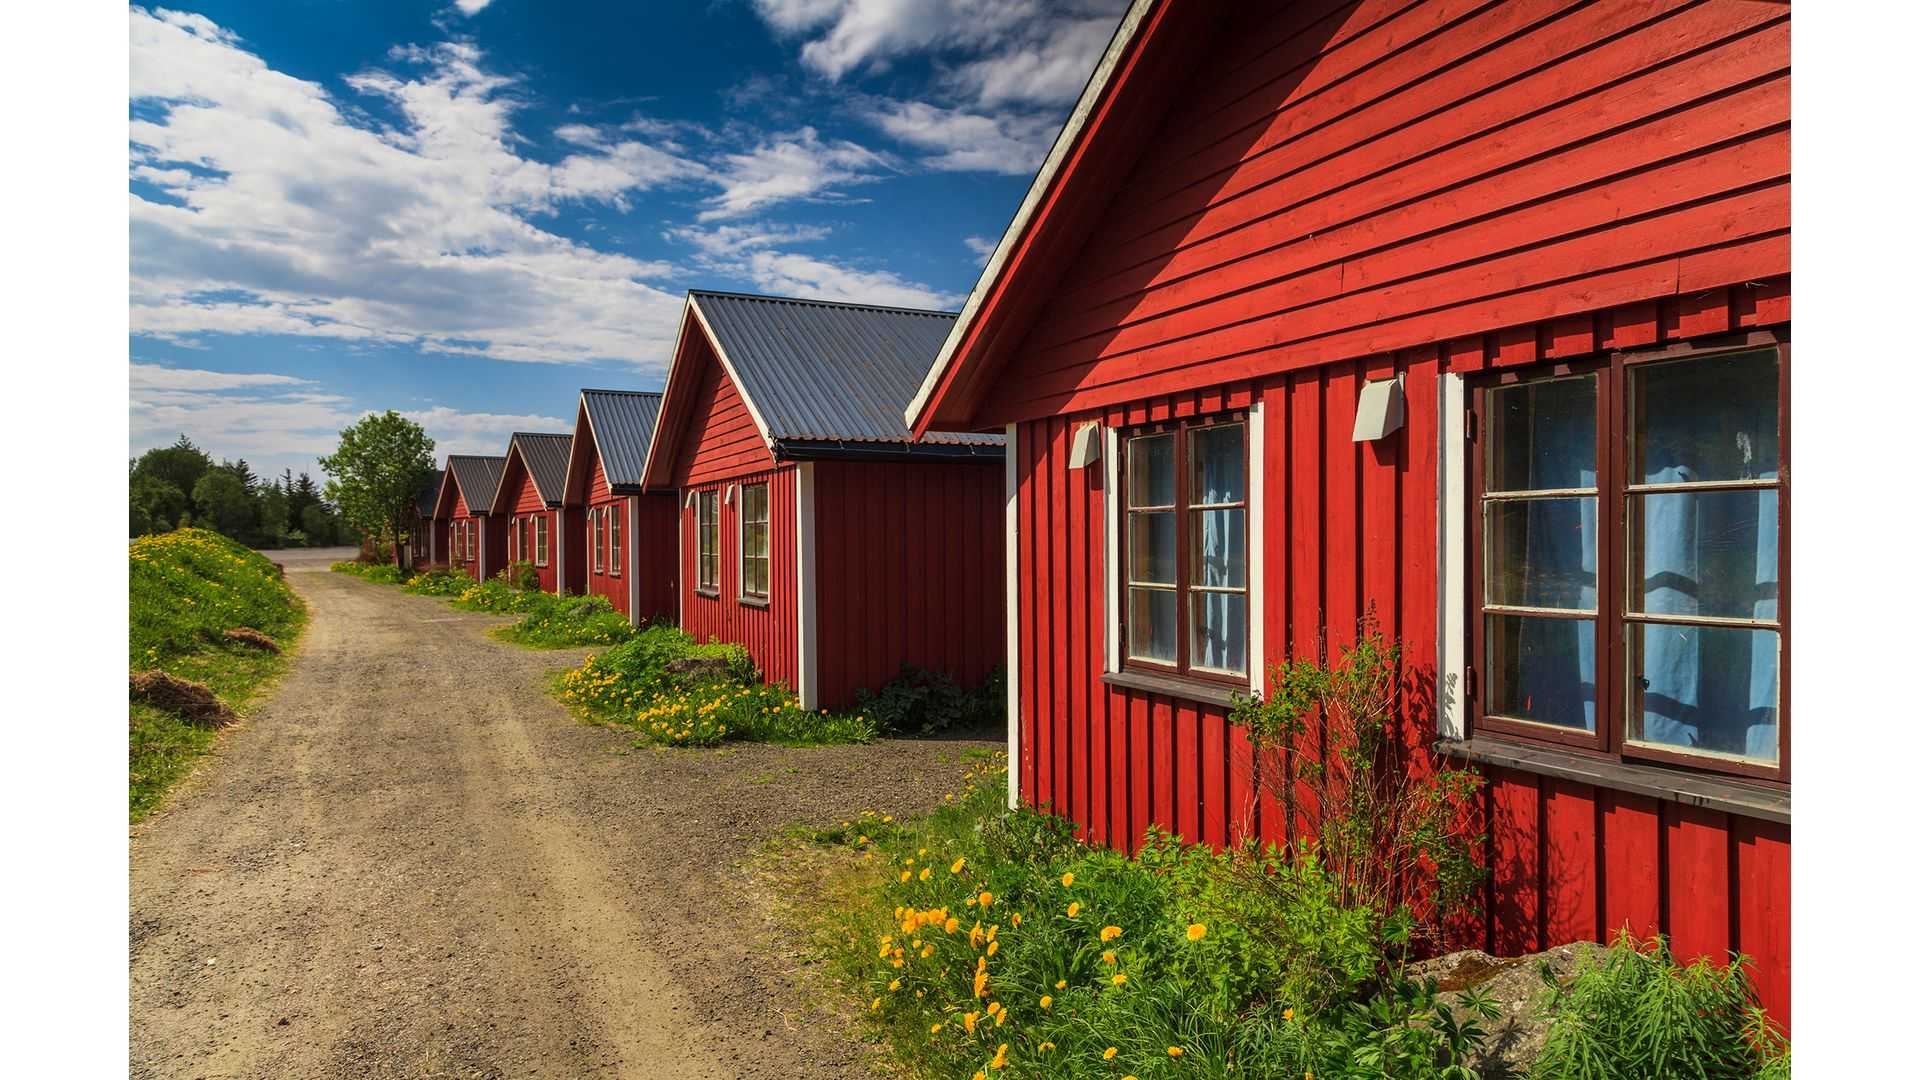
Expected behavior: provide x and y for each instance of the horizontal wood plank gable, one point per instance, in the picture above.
(719, 438)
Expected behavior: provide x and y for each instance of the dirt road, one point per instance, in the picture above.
(412, 862)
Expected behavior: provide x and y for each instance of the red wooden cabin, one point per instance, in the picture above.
(631, 539)
(421, 528)
(476, 540)
(812, 530)
(527, 499)
(1471, 315)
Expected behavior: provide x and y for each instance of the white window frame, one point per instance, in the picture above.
(740, 545)
(616, 535)
(542, 539)
(702, 499)
(593, 536)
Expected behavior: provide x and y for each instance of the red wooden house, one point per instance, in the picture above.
(812, 529)
(527, 499)
(632, 543)
(476, 540)
(421, 531)
(1474, 316)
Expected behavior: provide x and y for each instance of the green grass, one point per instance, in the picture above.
(569, 622)
(379, 573)
(185, 589)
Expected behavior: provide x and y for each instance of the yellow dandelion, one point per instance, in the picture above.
(999, 1058)
(1111, 1053)
(1073, 909)
(1061, 985)
(935, 1029)
(926, 873)
(970, 1019)
(1286, 1014)
(1119, 980)
(894, 985)
(1108, 957)
(1108, 933)
(1046, 1001)
(1174, 1051)
(876, 1003)
(1196, 931)
(1066, 880)
(959, 864)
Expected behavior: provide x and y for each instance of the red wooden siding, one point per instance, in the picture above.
(516, 485)
(1352, 179)
(910, 563)
(769, 632)
(720, 438)
(1350, 528)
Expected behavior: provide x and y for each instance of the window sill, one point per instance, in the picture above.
(1206, 693)
(754, 601)
(707, 594)
(1674, 785)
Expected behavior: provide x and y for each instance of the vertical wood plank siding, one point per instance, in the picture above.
(526, 504)
(769, 632)
(911, 570)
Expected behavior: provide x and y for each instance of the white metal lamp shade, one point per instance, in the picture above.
(1381, 411)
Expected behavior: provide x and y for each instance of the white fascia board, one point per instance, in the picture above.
(807, 606)
(566, 482)
(1012, 574)
(726, 364)
(632, 568)
(1111, 593)
(1063, 144)
(1256, 549)
(1450, 666)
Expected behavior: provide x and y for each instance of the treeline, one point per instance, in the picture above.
(180, 485)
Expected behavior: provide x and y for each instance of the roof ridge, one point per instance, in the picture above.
(855, 304)
(635, 393)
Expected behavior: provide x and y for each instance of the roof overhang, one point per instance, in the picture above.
(851, 450)
(582, 425)
(683, 376)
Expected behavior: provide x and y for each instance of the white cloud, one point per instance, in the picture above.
(158, 377)
(961, 141)
(722, 241)
(296, 218)
(788, 274)
(982, 248)
(471, 7)
(456, 432)
(798, 165)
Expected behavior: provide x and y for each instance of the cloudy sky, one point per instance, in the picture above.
(466, 211)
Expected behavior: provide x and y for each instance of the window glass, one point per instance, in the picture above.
(1543, 553)
(1711, 689)
(1714, 418)
(1150, 471)
(1152, 629)
(612, 516)
(1187, 486)
(1541, 670)
(1219, 457)
(1540, 435)
(753, 540)
(708, 539)
(1219, 631)
(1711, 552)
(1220, 548)
(1152, 538)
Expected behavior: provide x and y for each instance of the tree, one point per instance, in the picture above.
(270, 503)
(301, 494)
(322, 529)
(379, 468)
(182, 464)
(222, 502)
(154, 505)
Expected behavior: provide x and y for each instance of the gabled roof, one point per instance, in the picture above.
(429, 494)
(621, 423)
(476, 477)
(1124, 97)
(544, 455)
(816, 375)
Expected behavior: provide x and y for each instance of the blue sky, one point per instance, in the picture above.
(466, 211)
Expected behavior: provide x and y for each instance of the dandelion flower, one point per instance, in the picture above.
(905, 874)
(876, 1003)
(1108, 957)
(1016, 920)
(1196, 931)
(970, 1020)
(1066, 880)
(926, 873)
(1073, 909)
(1108, 933)
(951, 925)
(1046, 1001)
(935, 1029)
(1061, 985)
(1111, 1053)
(999, 1058)
(1045, 1046)
(959, 864)
(1286, 1014)
(992, 947)
(1119, 980)
(894, 985)
(1174, 1051)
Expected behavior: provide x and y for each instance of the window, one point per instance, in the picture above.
(753, 541)
(515, 549)
(593, 536)
(612, 516)
(540, 523)
(1630, 577)
(707, 541)
(1184, 544)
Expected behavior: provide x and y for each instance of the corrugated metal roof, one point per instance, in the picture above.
(423, 502)
(546, 456)
(623, 422)
(815, 370)
(477, 477)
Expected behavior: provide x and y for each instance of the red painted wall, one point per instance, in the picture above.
(1412, 188)
(518, 490)
(769, 632)
(911, 570)
(720, 439)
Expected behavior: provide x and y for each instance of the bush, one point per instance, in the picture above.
(521, 575)
(564, 622)
(379, 573)
(1630, 1011)
(442, 581)
(922, 702)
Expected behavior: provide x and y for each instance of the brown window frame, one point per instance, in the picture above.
(611, 516)
(703, 501)
(1613, 437)
(1182, 508)
(766, 526)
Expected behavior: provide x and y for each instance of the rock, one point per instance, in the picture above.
(193, 701)
(1516, 986)
(247, 635)
(698, 667)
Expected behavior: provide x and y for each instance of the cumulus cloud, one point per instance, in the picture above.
(755, 253)
(798, 165)
(471, 7)
(159, 377)
(456, 432)
(982, 248)
(960, 141)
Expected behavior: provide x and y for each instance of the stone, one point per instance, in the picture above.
(698, 667)
(1517, 987)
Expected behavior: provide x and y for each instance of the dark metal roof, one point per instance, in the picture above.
(546, 456)
(816, 371)
(622, 422)
(477, 477)
(423, 502)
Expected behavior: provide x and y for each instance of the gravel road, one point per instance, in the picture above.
(410, 861)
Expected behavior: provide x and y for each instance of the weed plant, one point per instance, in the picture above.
(444, 582)
(569, 622)
(379, 573)
(922, 702)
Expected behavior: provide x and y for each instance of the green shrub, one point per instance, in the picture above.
(521, 575)
(923, 702)
(565, 622)
(441, 582)
(380, 573)
(495, 595)
(1630, 1011)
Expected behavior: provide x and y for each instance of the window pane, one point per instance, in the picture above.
(1150, 551)
(1706, 553)
(1151, 624)
(1220, 548)
(1219, 455)
(1150, 470)
(1541, 435)
(1543, 553)
(1219, 627)
(1715, 418)
(1706, 688)
(1541, 669)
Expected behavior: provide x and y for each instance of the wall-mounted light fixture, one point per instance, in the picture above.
(728, 497)
(691, 495)
(1381, 411)
(1086, 446)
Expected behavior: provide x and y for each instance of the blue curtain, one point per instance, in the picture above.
(1670, 663)
(1220, 619)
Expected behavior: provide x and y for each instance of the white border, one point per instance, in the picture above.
(806, 608)
(1450, 663)
(1110, 590)
(632, 569)
(1256, 548)
(1012, 575)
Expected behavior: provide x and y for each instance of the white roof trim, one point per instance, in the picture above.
(566, 483)
(759, 422)
(738, 386)
(1056, 157)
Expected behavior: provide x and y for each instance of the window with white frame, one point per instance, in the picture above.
(707, 542)
(593, 537)
(754, 559)
(1628, 585)
(612, 515)
(540, 539)
(1183, 549)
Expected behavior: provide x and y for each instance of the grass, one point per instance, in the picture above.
(185, 589)
(569, 622)
(383, 573)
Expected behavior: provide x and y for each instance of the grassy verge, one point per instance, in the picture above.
(980, 943)
(379, 573)
(671, 691)
(185, 590)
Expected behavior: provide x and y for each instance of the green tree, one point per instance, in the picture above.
(182, 464)
(222, 503)
(318, 522)
(381, 464)
(154, 505)
(270, 503)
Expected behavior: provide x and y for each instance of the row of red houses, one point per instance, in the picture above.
(1471, 316)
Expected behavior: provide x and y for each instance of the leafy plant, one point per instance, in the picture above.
(1398, 838)
(521, 575)
(381, 573)
(441, 582)
(926, 702)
